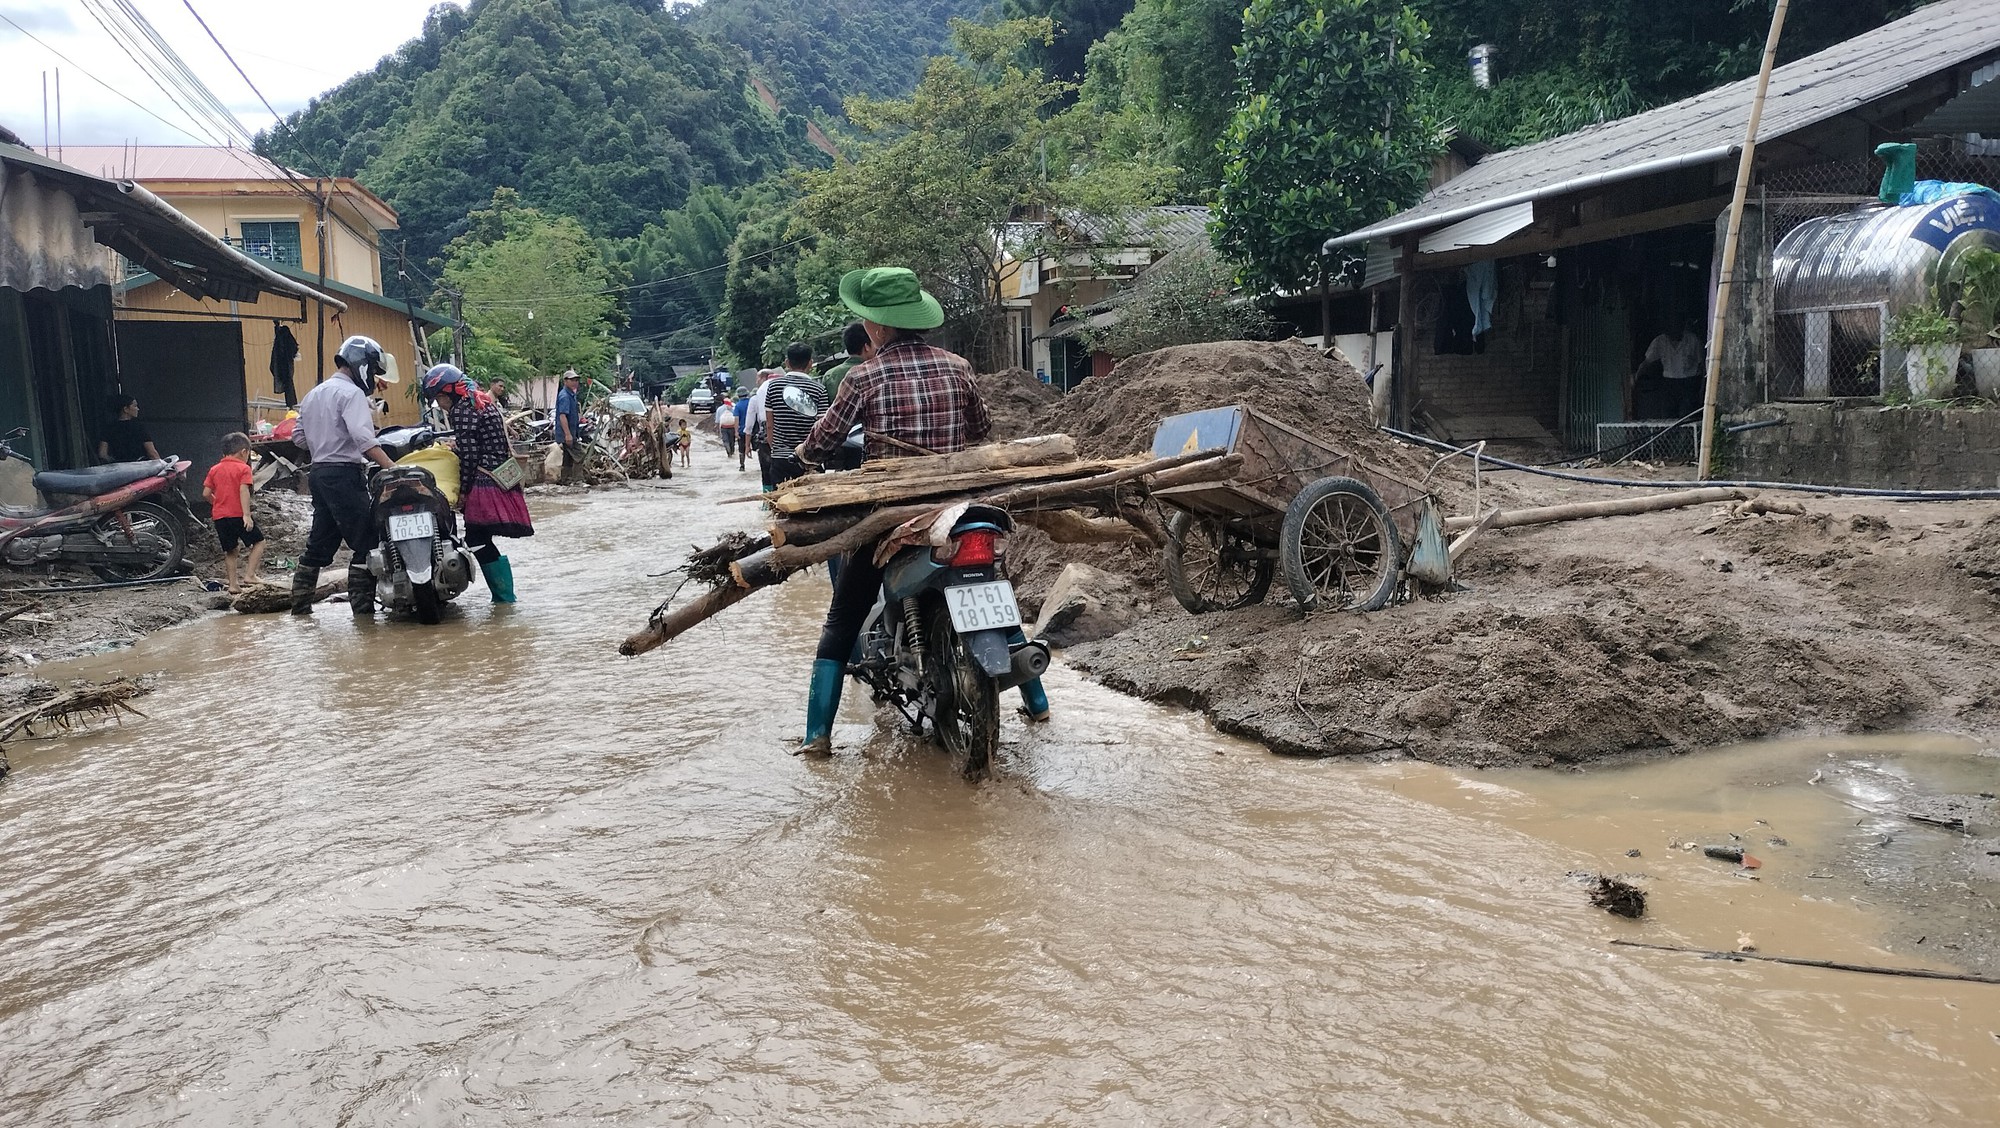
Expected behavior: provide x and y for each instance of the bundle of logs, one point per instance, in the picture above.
(1040, 481)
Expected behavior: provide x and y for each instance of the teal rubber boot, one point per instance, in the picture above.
(499, 579)
(822, 702)
(1034, 700)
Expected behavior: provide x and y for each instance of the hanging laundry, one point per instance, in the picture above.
(284, 350)
(1454, 321)
(1482, 284)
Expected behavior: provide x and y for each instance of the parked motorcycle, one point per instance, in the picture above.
(945, 638)
(129, 520)
(418, 562)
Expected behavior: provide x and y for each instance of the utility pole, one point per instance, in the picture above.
(321, 372)
(1726, 285)
(458, 328)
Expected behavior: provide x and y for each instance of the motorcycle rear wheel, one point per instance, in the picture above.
(429, 604)
(150, 523)
(965, 709)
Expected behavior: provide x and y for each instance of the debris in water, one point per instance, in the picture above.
(1751, 862)
(1632, 853)
(1617, 897)
(1724, 853)
(1744, 942)
(1775, 840)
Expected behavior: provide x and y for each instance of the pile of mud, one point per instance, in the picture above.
(1017, 401)
(1579, 642)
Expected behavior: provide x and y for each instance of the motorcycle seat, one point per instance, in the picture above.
(93, 481)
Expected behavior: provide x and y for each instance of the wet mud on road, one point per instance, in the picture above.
(492, 873)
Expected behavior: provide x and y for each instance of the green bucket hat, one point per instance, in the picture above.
(892, 296)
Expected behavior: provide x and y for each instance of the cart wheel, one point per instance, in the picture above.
(1338, 547)
(1210, 568)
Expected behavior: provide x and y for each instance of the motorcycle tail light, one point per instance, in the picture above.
(980, 546)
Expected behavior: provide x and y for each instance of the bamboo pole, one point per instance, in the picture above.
(1725, 288)
(1576, 511)
(1831, 965)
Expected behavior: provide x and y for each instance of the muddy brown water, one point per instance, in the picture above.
(490, 873)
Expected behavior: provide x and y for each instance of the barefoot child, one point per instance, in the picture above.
(687, 442)
(227, 491)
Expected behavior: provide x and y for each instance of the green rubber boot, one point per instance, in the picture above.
(304, 581)
(822, 702)
(499, 579)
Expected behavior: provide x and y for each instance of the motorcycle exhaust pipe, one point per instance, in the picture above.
(1030, 661)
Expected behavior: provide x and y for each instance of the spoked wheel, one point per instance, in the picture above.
(1338, 548)
(1210, 568)
(965, 706)
(153, 549)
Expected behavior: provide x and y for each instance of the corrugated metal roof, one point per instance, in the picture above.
(172, 162)
(1479, 231)
(1708, 126)
(1975, 111)
(1168, 226)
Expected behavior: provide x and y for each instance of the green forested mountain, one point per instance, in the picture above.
(611, 111)
(820, 52)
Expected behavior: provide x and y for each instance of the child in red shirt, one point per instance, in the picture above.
(227, 490)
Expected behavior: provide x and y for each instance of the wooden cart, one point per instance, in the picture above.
(1339, 531)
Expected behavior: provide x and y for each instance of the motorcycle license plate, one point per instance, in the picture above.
(982, 607)
(411, 526)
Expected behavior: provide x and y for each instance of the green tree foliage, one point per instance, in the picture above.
(978, 143)
(1184, 299)
(537, 291)
(819, 53)
(1329, 134)
(610, 111)
(679, 269)
(1172, 64)
(1565, 64)
(1078, 24)
(762, 283)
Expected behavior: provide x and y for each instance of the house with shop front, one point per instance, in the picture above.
(325, 233)
(1523, 292)
(66, 236)
(1053, 267)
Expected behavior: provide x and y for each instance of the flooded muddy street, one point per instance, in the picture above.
(492, 873)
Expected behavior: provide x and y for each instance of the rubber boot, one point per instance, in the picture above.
(499, 579)
(822, 702)
(360, 589)
(304, 581)
(1034, 700)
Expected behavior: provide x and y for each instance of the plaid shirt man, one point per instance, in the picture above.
(911, 392)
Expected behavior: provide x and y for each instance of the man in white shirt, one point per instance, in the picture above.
(1667, 383)
(755, 425)
(337, 428)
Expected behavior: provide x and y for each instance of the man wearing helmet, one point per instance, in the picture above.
(337, 428)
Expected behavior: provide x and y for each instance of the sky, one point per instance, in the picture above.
(292, 49)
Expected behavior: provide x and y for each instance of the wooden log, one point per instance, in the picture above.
(1464, 540)
(812, 528)
(687, 615)
(1216, 465)
(265, 599)
(1067, 526)
(759, 569)
(1617, 507)
(1037, 450)
(836, 491)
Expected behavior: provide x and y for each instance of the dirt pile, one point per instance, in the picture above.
(1594, 639)
(1017, 401)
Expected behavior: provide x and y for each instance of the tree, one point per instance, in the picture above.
(536, 290)
(1184, 299)
(1329, 134)
(1077, 25)
(1171, 64)
(980, 142)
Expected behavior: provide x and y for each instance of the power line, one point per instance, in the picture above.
(136, 104)
(517, 301)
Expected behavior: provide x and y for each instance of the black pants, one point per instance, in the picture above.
(342, 511)
(782, 470)
(764, 466)
(854, 593)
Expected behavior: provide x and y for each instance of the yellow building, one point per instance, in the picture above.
(323, 232)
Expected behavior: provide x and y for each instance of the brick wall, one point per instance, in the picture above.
(1517, 377)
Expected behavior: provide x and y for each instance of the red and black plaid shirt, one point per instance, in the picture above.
(911, 392)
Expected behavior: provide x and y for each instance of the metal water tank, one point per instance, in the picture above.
(1838, 280)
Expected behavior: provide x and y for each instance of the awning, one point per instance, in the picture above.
(1975, 111)
(1479, 231)
(142, 227)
